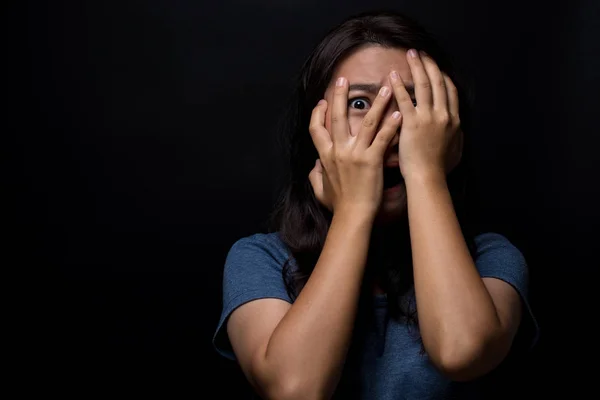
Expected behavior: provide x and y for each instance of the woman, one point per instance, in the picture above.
(372, 284)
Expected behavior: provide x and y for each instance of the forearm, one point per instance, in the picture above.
(309, 346)
(456, 313)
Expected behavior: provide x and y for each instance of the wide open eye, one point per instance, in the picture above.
(359, 103)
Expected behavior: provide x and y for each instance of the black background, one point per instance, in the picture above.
(142, 145)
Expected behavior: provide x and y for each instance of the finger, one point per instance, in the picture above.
(339, 112)
(437, 81)
(318, 166)
(452, 98)
(405, 103)
(422, 84)
(318, 132)
(371, 121)
(316, 180)
(387, 133)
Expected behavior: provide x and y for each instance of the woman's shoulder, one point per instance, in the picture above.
(497, 256)
(253, 270)
(493, 241)
(258, 248)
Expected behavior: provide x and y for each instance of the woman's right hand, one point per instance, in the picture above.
(348, 176)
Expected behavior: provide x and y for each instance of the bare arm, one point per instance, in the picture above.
(467, 323)
(298, 351)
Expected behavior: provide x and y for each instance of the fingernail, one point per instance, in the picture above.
(396, 114)
(321, 102)
(384, 91)
(340, 81)
(394, 75)
(412, 53)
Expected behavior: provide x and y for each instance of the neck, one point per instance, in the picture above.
(390, 245)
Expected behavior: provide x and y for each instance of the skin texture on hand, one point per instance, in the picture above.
(350, 169)
(430, 128)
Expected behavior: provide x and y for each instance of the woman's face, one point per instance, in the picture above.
(370, 67)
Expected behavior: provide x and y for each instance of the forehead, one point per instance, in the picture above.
(373, 64)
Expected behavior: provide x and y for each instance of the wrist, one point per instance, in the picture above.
(428, 176)
(353, 217)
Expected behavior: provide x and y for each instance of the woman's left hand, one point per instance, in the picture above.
(430, 137)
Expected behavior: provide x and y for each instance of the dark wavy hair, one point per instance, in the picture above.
(301, 221)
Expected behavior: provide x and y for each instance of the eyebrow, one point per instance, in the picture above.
(373, 88)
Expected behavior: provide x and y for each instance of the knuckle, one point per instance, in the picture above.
(455, 124)
(361, 159)
(398, 84)
(425, 84)
(349, 158)
(443, 117)
(372, 160)
(409, 102)
(339, 155)
(356, 155)
(401, 97)
(368, 121)
(426, 119)
(336, 118)
(405, 98)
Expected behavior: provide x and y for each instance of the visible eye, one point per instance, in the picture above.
(359, 103)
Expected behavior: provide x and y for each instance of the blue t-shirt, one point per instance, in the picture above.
(391, 364)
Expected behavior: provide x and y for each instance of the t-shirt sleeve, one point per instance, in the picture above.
(253, 270)
(498, 258)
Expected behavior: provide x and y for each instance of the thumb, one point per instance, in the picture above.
(319, 166)
(316, 180)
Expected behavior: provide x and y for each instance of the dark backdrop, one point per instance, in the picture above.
(142, 145)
